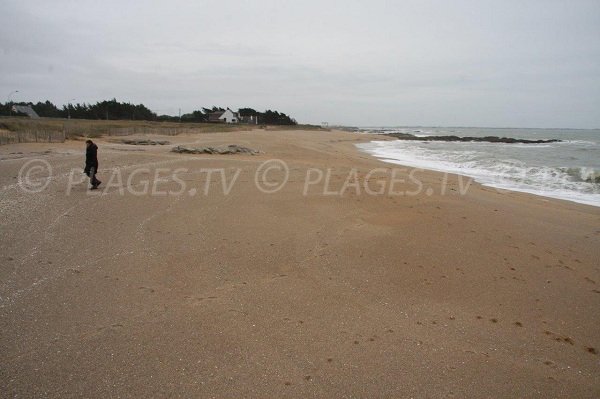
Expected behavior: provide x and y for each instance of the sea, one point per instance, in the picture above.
(567, 170)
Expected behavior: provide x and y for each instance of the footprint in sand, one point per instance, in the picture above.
(238, 311)
(102, 328)
(567, 340)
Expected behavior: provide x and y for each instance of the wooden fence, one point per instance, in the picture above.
(49, 136)
(31, 136)
(59, 136)
(127, 131)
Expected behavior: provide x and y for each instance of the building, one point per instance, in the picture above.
(214, 116)
(227, 116)
(250, 119)
(25, 109)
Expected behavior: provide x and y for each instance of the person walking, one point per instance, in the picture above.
(91, 163)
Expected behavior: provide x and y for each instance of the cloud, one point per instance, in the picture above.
(388, 63)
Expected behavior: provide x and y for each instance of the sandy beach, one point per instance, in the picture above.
(288, 274)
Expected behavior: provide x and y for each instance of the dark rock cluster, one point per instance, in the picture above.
(143, 142)
(230, 149)
(489, 139)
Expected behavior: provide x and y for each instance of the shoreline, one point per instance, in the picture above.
(505, 185)
(293, 293)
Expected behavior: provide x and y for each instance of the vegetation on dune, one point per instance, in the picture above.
(94, 128)
(19, 129)
(116, 110)
(113, 118)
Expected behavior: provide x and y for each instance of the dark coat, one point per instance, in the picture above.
(91, 158)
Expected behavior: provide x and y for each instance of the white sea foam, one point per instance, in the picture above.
(491, 165)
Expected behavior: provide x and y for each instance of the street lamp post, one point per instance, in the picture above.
(10, 102)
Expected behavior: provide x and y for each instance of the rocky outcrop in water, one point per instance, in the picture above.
(488, 139)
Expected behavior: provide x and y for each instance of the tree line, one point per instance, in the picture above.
(266, 118)
(116, 110)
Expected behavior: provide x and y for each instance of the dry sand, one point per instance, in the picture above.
(487, 294)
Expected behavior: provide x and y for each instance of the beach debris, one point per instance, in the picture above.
(222, 150)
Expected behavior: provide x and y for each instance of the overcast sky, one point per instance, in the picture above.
(444, 63)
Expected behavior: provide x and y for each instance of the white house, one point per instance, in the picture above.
(229, 116)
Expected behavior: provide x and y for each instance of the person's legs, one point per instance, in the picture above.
(93, 180)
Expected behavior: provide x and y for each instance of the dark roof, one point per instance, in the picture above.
(214, 116)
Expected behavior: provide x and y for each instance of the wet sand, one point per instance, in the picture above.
(434, 293)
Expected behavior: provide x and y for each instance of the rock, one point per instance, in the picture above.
(142, 142)
(593, 179)
(230, 149)
(489, 139)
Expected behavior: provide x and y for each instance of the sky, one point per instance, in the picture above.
(494, 63)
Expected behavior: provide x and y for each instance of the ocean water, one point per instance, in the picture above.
(568, 170)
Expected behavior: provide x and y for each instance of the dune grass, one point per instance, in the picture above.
(22, 129)
(91, 128)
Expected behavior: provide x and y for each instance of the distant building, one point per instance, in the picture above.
(25, 109)
(230, 117)
(214, 116)
(250, 119)
(227, 116)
